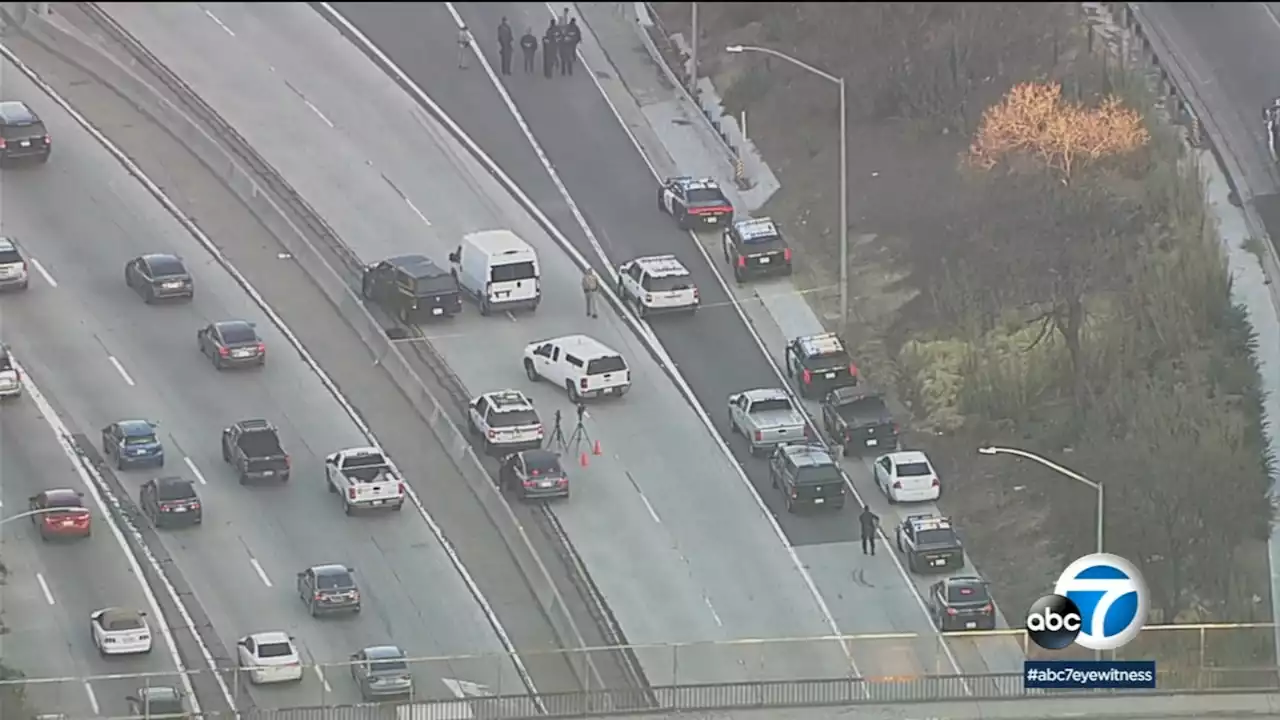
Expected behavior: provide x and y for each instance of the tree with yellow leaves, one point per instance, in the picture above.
(1034, 120)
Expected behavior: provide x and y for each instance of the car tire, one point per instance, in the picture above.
(45, 158)
(44, 536)
(329, 486)
(148, 295)
(262, 362)
(398, 506)
(662, 206)
(530, 371)
(347, 508)
(217, 363)
(682, 219)
(244, 478)
(574, 397)
(911, 561)
(226, 453)
(471, 425)
(24, 285)
(898, 541)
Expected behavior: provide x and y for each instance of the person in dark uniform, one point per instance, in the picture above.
(506, 43)
(868, 523)
(529, 46)
(570, 36)
(550, 44)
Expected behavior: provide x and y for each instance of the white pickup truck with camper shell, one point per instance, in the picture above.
(364, 479)
(499, 270)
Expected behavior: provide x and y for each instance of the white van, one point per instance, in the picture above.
(498, 269)
(583, 366)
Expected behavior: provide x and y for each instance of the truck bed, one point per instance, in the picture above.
(257, 445)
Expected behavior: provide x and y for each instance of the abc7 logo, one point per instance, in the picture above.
(1114, 599)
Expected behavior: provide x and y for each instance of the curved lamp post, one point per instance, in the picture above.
(1097, 487)
(41, 511)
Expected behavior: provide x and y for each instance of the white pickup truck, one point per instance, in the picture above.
(364, 479)
(10, 380)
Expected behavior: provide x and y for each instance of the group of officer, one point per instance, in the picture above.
(559, 46)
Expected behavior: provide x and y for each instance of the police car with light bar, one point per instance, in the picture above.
(930, 543)
(505, 422)
(756, 247)
(657, 283)
(820, 364)
(694, 202)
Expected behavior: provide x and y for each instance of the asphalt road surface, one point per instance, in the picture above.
(103, 355)
(51, 588)
(661, 516)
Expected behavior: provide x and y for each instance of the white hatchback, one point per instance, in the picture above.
(120, 631)
(908, 477)
(269, 657)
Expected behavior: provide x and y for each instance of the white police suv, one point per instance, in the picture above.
(505, 421)
(657, 283)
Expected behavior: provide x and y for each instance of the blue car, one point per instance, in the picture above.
(132, 443)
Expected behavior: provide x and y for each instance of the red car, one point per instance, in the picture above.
(63, 514)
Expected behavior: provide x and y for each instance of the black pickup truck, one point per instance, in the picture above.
(859, 421)
(252, 447)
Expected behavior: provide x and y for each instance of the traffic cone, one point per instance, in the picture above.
(595, 449)
(583, 460)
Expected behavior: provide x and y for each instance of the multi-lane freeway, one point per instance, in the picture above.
(102, 355)
(661, 516)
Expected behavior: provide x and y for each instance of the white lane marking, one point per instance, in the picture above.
(415, 209)
(649, 506)
(715, 615)
(262, 574)
(220, 23)
(643, 329)
(43, 272)
(511, 317)
(97, 487)
(120, 369)
(195, 470)
(733, 299)
(1271, 13)
(93, 698)
(324, 682)
(316, 110)
(44, 588)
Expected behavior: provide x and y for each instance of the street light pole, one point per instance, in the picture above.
(1097, 487)
(844, 165)
(40, 511)
(693, 49)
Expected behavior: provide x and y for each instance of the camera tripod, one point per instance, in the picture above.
(576, 438)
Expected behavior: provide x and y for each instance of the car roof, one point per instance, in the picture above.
(112, 614)
(908, 456)
(540, 455)
(662, 265)
(417, 266)
(748, 228)
(233, 325)
(806, 455)
(136, 428)
(8, 243)
(757, 394)
(158, 692)
(270, 636)
(820, 344)
(330, 569)
(60, 495)
(929, 522)
(173, 480)
(849, 395)
(584, 344)
(507, 400)
(693, 183)
(498, 242)
(16, 112)
(383, 652)
(162, 257)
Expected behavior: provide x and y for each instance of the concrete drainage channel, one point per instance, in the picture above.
(310, 241)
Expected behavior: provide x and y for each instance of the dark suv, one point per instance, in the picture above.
(22, 133)
(807, 476)
(412, 288)
(329, 588)
(171, 501)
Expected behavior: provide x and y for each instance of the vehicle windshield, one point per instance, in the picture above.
(124, 622)
(176, 491)
(274, 650)
(914, 469)
(836, 359)
(515, 418)
(64, 503)
(25, 130)
(543, 465)
(773, 405)
(336, 581)
(865, 409)
(164, 706)
(607, 364)
(435, 285)
(512, 272)
(166, 267)
(9, 255)
(817, 474)
(935, 537)
(705, 196)
(140, 440)
(236, 334)
(668, 283)
(388, 666)
(967, 594)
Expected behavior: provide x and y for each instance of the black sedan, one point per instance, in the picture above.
(232, 343)
(534, 475)
(170, 501)
(159, 277)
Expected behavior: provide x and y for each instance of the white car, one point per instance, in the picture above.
(908, 477)
(506, 421)
(120, 631)
(657, 283)
(583, 366)
(269, 657)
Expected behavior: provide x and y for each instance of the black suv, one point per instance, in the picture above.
(329, 588)
(412, 288)
(807, 476)
(820, 364)
(170, 501)
(756, 247)
(962, 603)
(22, 133)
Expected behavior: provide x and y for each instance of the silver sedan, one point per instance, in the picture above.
(381, 671)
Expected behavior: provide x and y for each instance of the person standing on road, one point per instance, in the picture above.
(590, 288)
(868, 523)
(550, 48)
(529, 46)
(506, 44)
(570, 37)
(464, 46)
